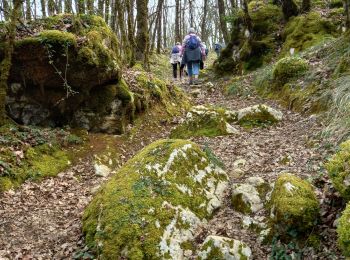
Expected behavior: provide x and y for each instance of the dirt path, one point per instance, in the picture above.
(43, 220)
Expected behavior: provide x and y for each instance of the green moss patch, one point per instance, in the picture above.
(305, 31)
(152, 205)
(287, 69)
(205, 121)
(338, 170)
(294, 206)
(258, 115)
(33, 153)
(343, 231)
(215, 247)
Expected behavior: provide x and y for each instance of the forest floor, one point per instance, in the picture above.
(42, 220)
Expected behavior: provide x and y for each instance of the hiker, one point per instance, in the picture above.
(206, 54)
(193, 53)
(175, 60)
(218, 48)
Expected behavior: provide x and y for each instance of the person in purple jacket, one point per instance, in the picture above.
(193, 52)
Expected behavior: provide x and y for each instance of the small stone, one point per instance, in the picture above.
(239, 163)
(102, 170)
(237, 173)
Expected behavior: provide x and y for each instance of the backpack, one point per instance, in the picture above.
(175, 50)
(193, 42)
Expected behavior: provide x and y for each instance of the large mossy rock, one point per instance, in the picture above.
(68, 73)
(339, 170)
(287, 69)
(206, 121)
(258, 115)
(151, 207)
(294, 206)
(304, 31)
(343, 231)
(223, 248)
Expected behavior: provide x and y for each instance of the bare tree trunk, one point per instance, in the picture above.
(142, 37)
(59, 6)
(190, 10)
(51, 7)
(100, 4)
(159, 26)
(131, 36)
(165, 22)
(5, 65)
(347, 15)
(177, 21)
(43, 8)
(223, 25)
(204, 21)
(115, 4)
(28, 10)
(6, 7)
(107, 3)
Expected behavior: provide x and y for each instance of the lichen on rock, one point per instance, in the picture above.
(338, 170)
(216, 247)
(151, 207)
(343, 231)
(249, 197)
(206, 121)
(293, 205)
(258, 115)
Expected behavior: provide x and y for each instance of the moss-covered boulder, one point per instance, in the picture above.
(248, 197)
(287, 69)
(206, 121)
(151, 207)
(343, 231)
(222, 248)
(294, 206)
(258, 115)
(339, 171)
(304, 31)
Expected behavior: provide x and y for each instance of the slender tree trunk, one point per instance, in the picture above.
(223, 25)
(347, 15)
(43, 8)
(100, 4)
(68, 6)
(177, 21)
(159, 27)
(6, 7)
(115, 4)
(305, 6)
(5, 65)
(142, 37)
(191, 13)
(165, 23)
(28, 10)
(59, 6)
(107, 5)
(35, 15)
(51, 7)
(204, 21)
(131, 35)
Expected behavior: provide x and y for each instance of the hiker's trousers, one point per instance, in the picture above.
(193, 68)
